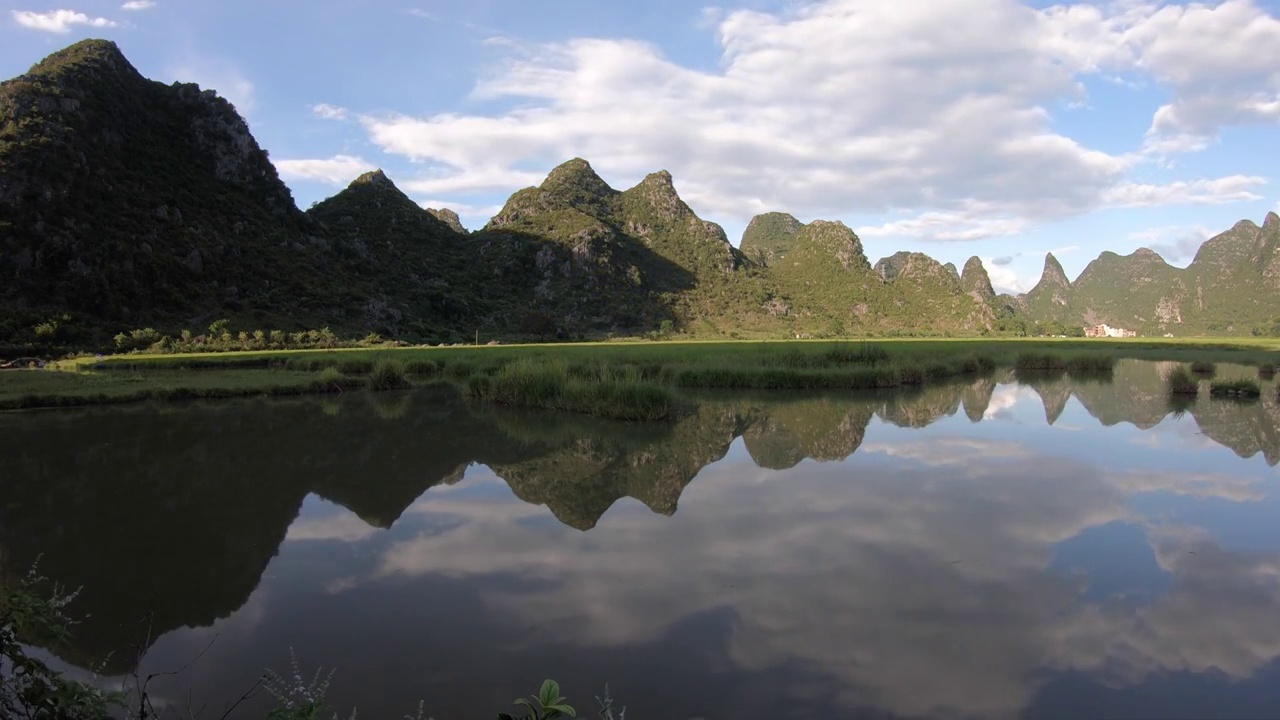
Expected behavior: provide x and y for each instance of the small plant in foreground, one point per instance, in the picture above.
(606, 707)
(1182, 382)
(28, 687)
(545, 705)
(296, 698)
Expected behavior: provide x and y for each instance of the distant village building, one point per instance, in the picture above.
(1105, 330)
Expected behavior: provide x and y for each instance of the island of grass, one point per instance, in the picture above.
(1240, 389)
(626, 380)
(1182, 383)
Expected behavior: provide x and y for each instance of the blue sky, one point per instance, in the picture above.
(995, 128)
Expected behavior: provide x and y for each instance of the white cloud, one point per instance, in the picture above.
(948, 226)
(1233, 188)
(1004, 279)
(138, 5)
(1219, 62)
(329, 112)
(843, 106)
(58, 21)
(337, 170)
(475, 179)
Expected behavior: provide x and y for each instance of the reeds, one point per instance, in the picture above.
(1204, 368)
(614, 393)
(388, 374)
(1243, 389)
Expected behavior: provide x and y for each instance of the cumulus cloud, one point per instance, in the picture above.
(480, 178)
(1218, 61)
(1234, 188)
(1004, 279)
(329, 112)
(843, 106)
(337, 170)
(58, 21)
(138, 5)
(958, 226)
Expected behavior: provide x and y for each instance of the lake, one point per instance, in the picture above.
(1040, 548)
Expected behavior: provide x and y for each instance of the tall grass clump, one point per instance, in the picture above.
(614, 392)
(1100, 367)
(1041, 362)
(1182, 383)
(1201, 367)
(388, 374)
(1247, 389)
(861, 354)
(1266, 371)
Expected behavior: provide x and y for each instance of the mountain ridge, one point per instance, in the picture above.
(128, 203)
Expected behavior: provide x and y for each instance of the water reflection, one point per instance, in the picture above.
(944, 553)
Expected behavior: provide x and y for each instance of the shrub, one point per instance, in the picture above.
(388, 374)
(1266, 371)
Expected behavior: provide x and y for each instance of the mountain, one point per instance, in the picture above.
(1232, 286)
(769, 237)
(136, 202)
(450, 218)
(1050, 299)
(127, 203)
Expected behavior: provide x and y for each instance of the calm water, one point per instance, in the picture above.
(987, 550)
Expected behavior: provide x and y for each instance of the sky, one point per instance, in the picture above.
(995, 128)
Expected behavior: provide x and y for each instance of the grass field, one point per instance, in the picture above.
(632, 380)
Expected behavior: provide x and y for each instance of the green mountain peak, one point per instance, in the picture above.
(975, 279)
(769, 237)
(373, 177)
(952, 270)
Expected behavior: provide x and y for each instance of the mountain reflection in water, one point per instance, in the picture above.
(946, 553)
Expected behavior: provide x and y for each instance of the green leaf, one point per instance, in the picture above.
(563, 709)
(549, 693)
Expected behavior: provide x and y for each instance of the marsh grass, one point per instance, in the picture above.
(388, 374)
(1266, 371)
(615, 392)
(1243, 389)
(1204, 368)
(1182, 383)
(31, 389)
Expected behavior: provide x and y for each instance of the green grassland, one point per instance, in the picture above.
(628, 380)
